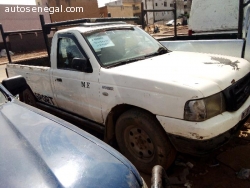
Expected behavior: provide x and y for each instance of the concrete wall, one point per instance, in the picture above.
(26, 43)
(13, 21)
(120, 11)
(114, 3)
(103, 12)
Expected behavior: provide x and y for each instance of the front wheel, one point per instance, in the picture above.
(143, 141)
(28, 97)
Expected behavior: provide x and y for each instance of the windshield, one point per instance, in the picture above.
(125, 44)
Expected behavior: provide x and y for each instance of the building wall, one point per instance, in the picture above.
(187, 8)
(180, 7)
(183, 7)
(120, 11)
(90, 9)
(136, 5)
(103, 11)
(158, 5)
(13, 21)
(114, 3)
(26, 43)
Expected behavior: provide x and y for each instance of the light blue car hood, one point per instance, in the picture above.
(40, 150)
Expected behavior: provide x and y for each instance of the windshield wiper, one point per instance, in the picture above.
(160, 51)
(125, 62)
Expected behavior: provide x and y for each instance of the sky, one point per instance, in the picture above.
(32, 2)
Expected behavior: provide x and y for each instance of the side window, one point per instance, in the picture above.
(67, 51)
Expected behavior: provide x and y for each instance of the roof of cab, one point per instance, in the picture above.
(88, 27)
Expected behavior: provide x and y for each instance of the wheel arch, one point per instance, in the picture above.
(28, 88)
(112, 118)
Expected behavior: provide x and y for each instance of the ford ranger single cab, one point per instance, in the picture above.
(150, 100)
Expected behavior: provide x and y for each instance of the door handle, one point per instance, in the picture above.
(59, 80)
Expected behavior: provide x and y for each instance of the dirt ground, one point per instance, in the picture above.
(166, 31)
(20, 56)
(219, 169)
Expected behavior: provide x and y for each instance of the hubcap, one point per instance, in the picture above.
(140, 144)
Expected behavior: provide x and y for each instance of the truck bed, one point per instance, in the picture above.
(35, 61)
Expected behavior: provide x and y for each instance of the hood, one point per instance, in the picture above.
(38, 151)
(206, 73)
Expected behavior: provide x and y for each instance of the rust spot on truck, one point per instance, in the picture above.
(224, 61)
(197, 136)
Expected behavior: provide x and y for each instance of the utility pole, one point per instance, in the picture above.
(146, 6)
(153, 1)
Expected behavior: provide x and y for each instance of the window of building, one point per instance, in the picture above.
(165, 4)
(185, 12)
(185, 6)
(156, 4)
(171, 5)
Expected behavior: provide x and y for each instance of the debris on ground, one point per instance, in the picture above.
(243, 174)
(3, 53)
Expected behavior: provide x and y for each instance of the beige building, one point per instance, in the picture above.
(116, 11)
(122, 8)
(136, 5)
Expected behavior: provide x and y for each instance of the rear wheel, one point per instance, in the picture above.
(143, 140)
(28, 97)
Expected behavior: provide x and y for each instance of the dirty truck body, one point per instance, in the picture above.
(152, 101)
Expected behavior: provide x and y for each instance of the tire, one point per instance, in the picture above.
(143, 141)
(28, 97)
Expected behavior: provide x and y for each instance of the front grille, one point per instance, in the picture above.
(237, 94)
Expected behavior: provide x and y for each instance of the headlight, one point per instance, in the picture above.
(202, 109)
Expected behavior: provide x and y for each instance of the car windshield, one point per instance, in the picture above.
(117, 46)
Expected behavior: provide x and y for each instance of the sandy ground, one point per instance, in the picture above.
(20, 56)
(219, 169)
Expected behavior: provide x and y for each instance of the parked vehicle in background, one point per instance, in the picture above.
(171, 22)
(41, 150)
(214, 42)
(213, 17)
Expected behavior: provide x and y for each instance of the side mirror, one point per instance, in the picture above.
(15, 85)
(82, 64)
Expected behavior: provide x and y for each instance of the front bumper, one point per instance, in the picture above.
(200, 147)
(198, 138)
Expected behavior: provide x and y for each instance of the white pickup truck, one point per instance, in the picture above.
(152, 101)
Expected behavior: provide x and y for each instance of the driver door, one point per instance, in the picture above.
(68, 79)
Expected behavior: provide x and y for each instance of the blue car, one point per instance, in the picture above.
(41, 150)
